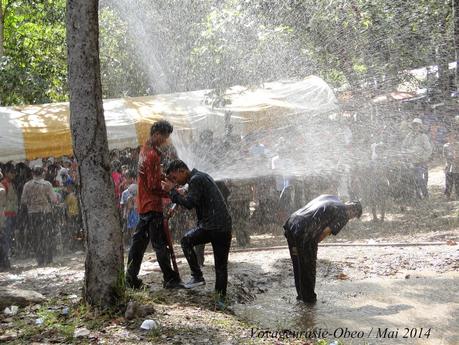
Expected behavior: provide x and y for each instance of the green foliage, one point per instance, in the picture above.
(120, 71)
(33, 68)
(187, 44)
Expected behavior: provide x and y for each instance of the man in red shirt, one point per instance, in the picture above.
(149, 202)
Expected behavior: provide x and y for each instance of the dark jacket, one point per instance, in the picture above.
(320, 213)
(204, 195)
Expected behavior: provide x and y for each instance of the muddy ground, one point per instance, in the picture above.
(367, 294)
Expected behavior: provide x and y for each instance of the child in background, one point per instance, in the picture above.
(74, 238)
(129, 208)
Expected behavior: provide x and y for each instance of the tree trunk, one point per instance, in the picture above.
(442, 53)
(104, 268)
(456, 40)
(2, 30)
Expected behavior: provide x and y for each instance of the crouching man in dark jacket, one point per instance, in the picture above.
(214, 222)
(307, 227)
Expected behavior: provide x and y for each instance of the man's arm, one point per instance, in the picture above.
(427, 145)
(327, 232)
(191, 199)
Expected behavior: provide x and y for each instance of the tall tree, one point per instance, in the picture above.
(2, 28)
(456, 39)
(104, 267)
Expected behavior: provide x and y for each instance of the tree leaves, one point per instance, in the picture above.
(169, 45)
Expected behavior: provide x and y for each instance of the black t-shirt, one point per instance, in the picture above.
(204, 195)
(321, 212)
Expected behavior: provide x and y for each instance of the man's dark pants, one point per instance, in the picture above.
(150, 228)
(42, 236)
(303, 252)
(221, 242)
(452, 180)
(4, 255)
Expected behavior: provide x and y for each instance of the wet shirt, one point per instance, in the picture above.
(150, 193)
(38, 195)
(204, 195)
(418, 147)
(320, 213)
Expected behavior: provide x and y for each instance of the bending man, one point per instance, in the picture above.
(214, 222)
(304, 230)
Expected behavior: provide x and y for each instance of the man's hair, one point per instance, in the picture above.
(9, 168)
(162, 127)
(37, 170)
(132, 173)
(176, 165)
(357, 206)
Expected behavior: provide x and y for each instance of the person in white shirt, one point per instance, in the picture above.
(38, 195)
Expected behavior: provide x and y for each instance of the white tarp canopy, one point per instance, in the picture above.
(34, 131)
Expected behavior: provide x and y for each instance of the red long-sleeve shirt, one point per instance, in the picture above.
(149, 193)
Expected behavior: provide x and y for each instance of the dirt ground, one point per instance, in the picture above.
(367, 293)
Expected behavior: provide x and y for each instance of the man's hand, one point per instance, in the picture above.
(167, 185)
(182, 191)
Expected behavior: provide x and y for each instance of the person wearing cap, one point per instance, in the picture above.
(39, 196)
(418, 149)
(308, 226)
(63, 173)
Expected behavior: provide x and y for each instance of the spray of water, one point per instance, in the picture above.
(283, 128)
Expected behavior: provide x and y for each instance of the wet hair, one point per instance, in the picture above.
(357, 207)
(162, 127)
(176, 165)
(9, 168)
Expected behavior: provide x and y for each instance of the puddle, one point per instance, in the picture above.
(379, 310)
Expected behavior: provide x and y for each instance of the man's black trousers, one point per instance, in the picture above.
(303, 252)
(150, 228)
(451, 180)
(221, 242)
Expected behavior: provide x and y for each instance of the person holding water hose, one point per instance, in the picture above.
(150, 208)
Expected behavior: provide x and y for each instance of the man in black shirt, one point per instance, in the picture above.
(214, 221)
(305, 228)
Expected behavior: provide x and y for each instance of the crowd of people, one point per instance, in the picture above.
(398, 167)
(40, 210)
